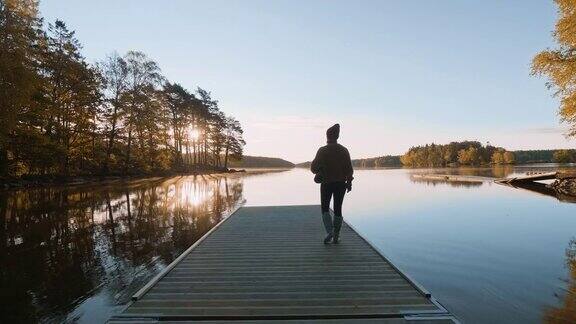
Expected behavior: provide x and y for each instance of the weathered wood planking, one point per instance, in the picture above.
(530, 178)
(408, 320)
(450, 177)
(270, 263)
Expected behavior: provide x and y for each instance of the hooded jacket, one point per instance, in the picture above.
(333, 159)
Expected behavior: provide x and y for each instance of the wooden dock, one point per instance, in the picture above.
(268, 264)
(449, 178)
(530, 177)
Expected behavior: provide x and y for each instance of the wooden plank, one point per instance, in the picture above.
(270, 263)
(291, 289)
(404, 274)
(291, 302)
(276, 276)
(171, 266)
(449, 178)
(277, 311)
(413, 320)
(280, 295)
(170, 283)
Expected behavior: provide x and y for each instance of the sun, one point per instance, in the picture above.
(193, 133)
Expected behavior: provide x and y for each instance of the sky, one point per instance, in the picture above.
(394, 74)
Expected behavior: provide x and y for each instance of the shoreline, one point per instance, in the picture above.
(564, 185)
(30, 182)
(451, 177)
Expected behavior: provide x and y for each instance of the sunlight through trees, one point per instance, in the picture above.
(61, 115)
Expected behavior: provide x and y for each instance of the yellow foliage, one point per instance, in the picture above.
(566, 25)
(497, 157)
(559, 65)
(25, 8)
(509, 157)
(566, 311)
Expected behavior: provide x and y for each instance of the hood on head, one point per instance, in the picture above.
(333, 133)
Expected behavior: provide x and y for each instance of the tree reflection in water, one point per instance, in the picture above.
(495, 171)
(451, 183)
(64, 248)
(566, 312)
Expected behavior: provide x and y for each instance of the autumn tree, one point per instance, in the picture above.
(234, 141)
(565, 312)
(469, 156)
(60, 114)
(144, 111)
(434, 155)
(194, 112)
(497, 157)
(501, 156)
(559, 65)
(20, 36)
(217, 135)
(71, 94)
(209, 108)
(509, 157)
(177, 102)
(564, 156)
(114, 71)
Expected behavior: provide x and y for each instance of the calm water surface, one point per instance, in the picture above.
(489, 253)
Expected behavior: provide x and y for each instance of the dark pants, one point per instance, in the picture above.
(327, 190)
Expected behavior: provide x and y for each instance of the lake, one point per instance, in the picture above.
(488, 252)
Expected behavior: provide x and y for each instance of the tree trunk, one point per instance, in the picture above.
(127, 166)
(178, 152)
(110, 140)
(188, 154)
(3, 219)
(3, 162)
(226, 158)
(66, 162)
(194, 145)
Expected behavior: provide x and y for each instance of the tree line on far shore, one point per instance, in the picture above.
(378, 162)
(60, 115)
(456, 153)
(434, 155)
(565, 156)
(546, 156)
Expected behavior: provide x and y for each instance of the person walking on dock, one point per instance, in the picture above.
(333, 169)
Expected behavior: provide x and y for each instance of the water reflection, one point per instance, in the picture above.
(502, 171)
(543, 189)
(73, 254)
(499, 171)
(566, 312)
(70, 254)
(490, 174)
(452, 183)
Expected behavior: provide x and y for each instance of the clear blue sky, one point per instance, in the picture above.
(393, 73)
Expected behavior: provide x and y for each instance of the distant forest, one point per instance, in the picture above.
(474, 153)
(376, 162)
(462, 153)
(456, 153)
(61, 115)
(260, 162)
(540, 156)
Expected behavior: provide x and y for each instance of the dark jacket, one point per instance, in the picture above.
(333, 161)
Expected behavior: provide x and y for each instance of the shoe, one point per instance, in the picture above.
(328, 239)
(336, 239)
